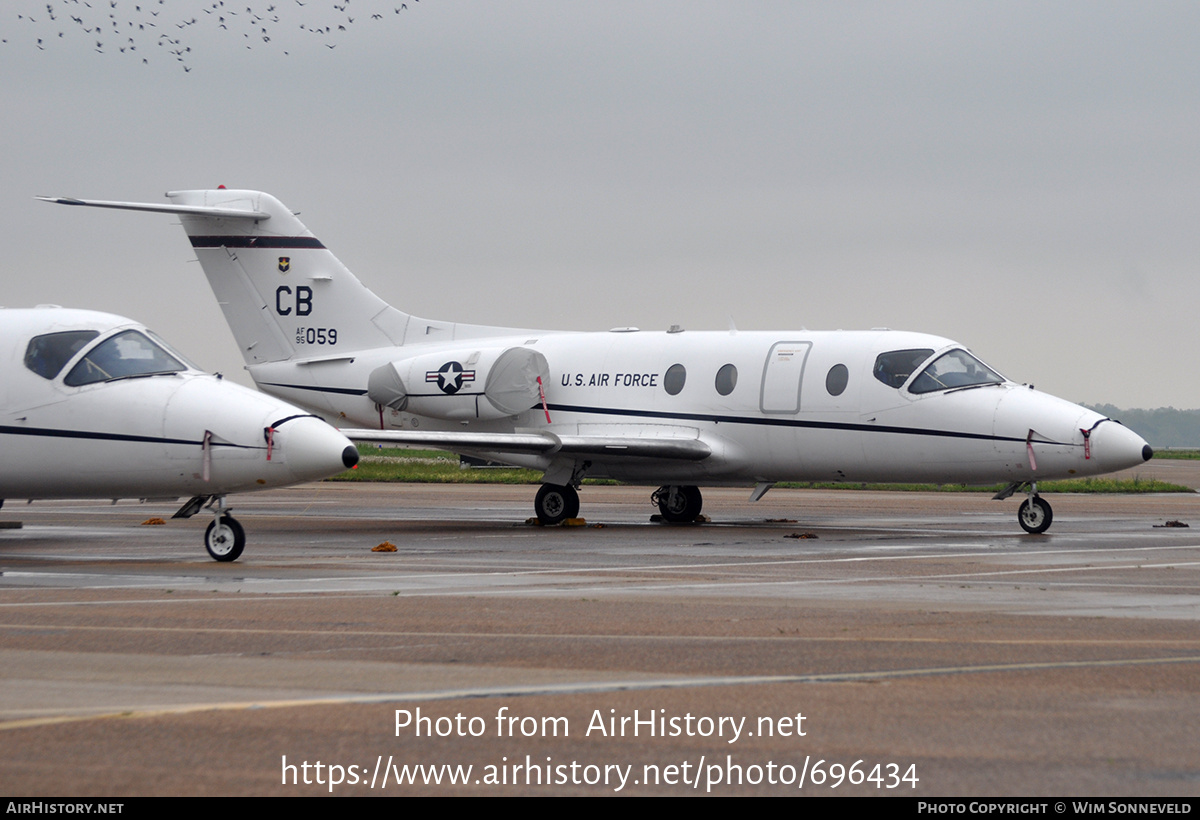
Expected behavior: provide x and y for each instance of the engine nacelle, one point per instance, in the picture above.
(462, 385)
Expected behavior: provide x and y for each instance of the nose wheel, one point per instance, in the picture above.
(224, 539)
(1035, 515)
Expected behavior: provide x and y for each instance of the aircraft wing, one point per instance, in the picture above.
(680, 449)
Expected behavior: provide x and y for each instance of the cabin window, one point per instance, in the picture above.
(46, 355)
(894, 368)
(836, 379)
(675, 376)
(123, 356)
(726, 379)
(958, 368)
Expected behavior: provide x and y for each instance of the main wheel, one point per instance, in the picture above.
(1035, 515)
(555, 503)
(225, 539)
(681, 506)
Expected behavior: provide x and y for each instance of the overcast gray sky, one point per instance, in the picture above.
(1021, 177)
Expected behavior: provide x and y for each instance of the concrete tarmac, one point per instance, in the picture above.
(815, 642)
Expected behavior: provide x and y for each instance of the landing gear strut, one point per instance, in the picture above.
(556, 503)
(678, 504)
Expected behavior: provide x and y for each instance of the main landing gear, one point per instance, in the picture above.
(556, 503)
(224, 539)
(678, 504)
(1034, 514)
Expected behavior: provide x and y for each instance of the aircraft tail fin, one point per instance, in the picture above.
(283, 293)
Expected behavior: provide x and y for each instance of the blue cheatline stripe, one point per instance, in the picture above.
(310, 242)
(719, 419)
(49, 432)
(345, 391)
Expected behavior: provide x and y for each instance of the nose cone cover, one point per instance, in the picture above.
(1116, 447)
(313, 450)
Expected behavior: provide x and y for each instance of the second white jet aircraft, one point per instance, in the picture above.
(94, 405)
(673, 408)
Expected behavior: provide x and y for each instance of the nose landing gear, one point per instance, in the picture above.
(224, 539)
(1034, 514)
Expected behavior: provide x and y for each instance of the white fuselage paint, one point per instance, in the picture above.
(785, 427)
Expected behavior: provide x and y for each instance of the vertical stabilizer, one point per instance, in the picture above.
(284, 295)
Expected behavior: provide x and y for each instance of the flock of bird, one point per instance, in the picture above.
(156, 30)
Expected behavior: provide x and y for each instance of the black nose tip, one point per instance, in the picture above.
(350, 456)
(1147, 453)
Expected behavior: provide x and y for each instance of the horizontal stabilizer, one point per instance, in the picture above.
(192, 210)
(606, 447)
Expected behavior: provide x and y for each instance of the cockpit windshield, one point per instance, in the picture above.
(958, 368)
(894, 367)
(123, 356)
(49, 353)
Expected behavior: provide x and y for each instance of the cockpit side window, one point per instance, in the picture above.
(958, 368)
(46, 355)
(123, 356)
(894, 367)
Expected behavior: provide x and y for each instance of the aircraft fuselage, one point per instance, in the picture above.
(779, 418)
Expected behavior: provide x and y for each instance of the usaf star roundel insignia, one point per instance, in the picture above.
(450, 377)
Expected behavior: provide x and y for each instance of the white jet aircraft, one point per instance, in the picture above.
(94, 405)
(678, 408)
